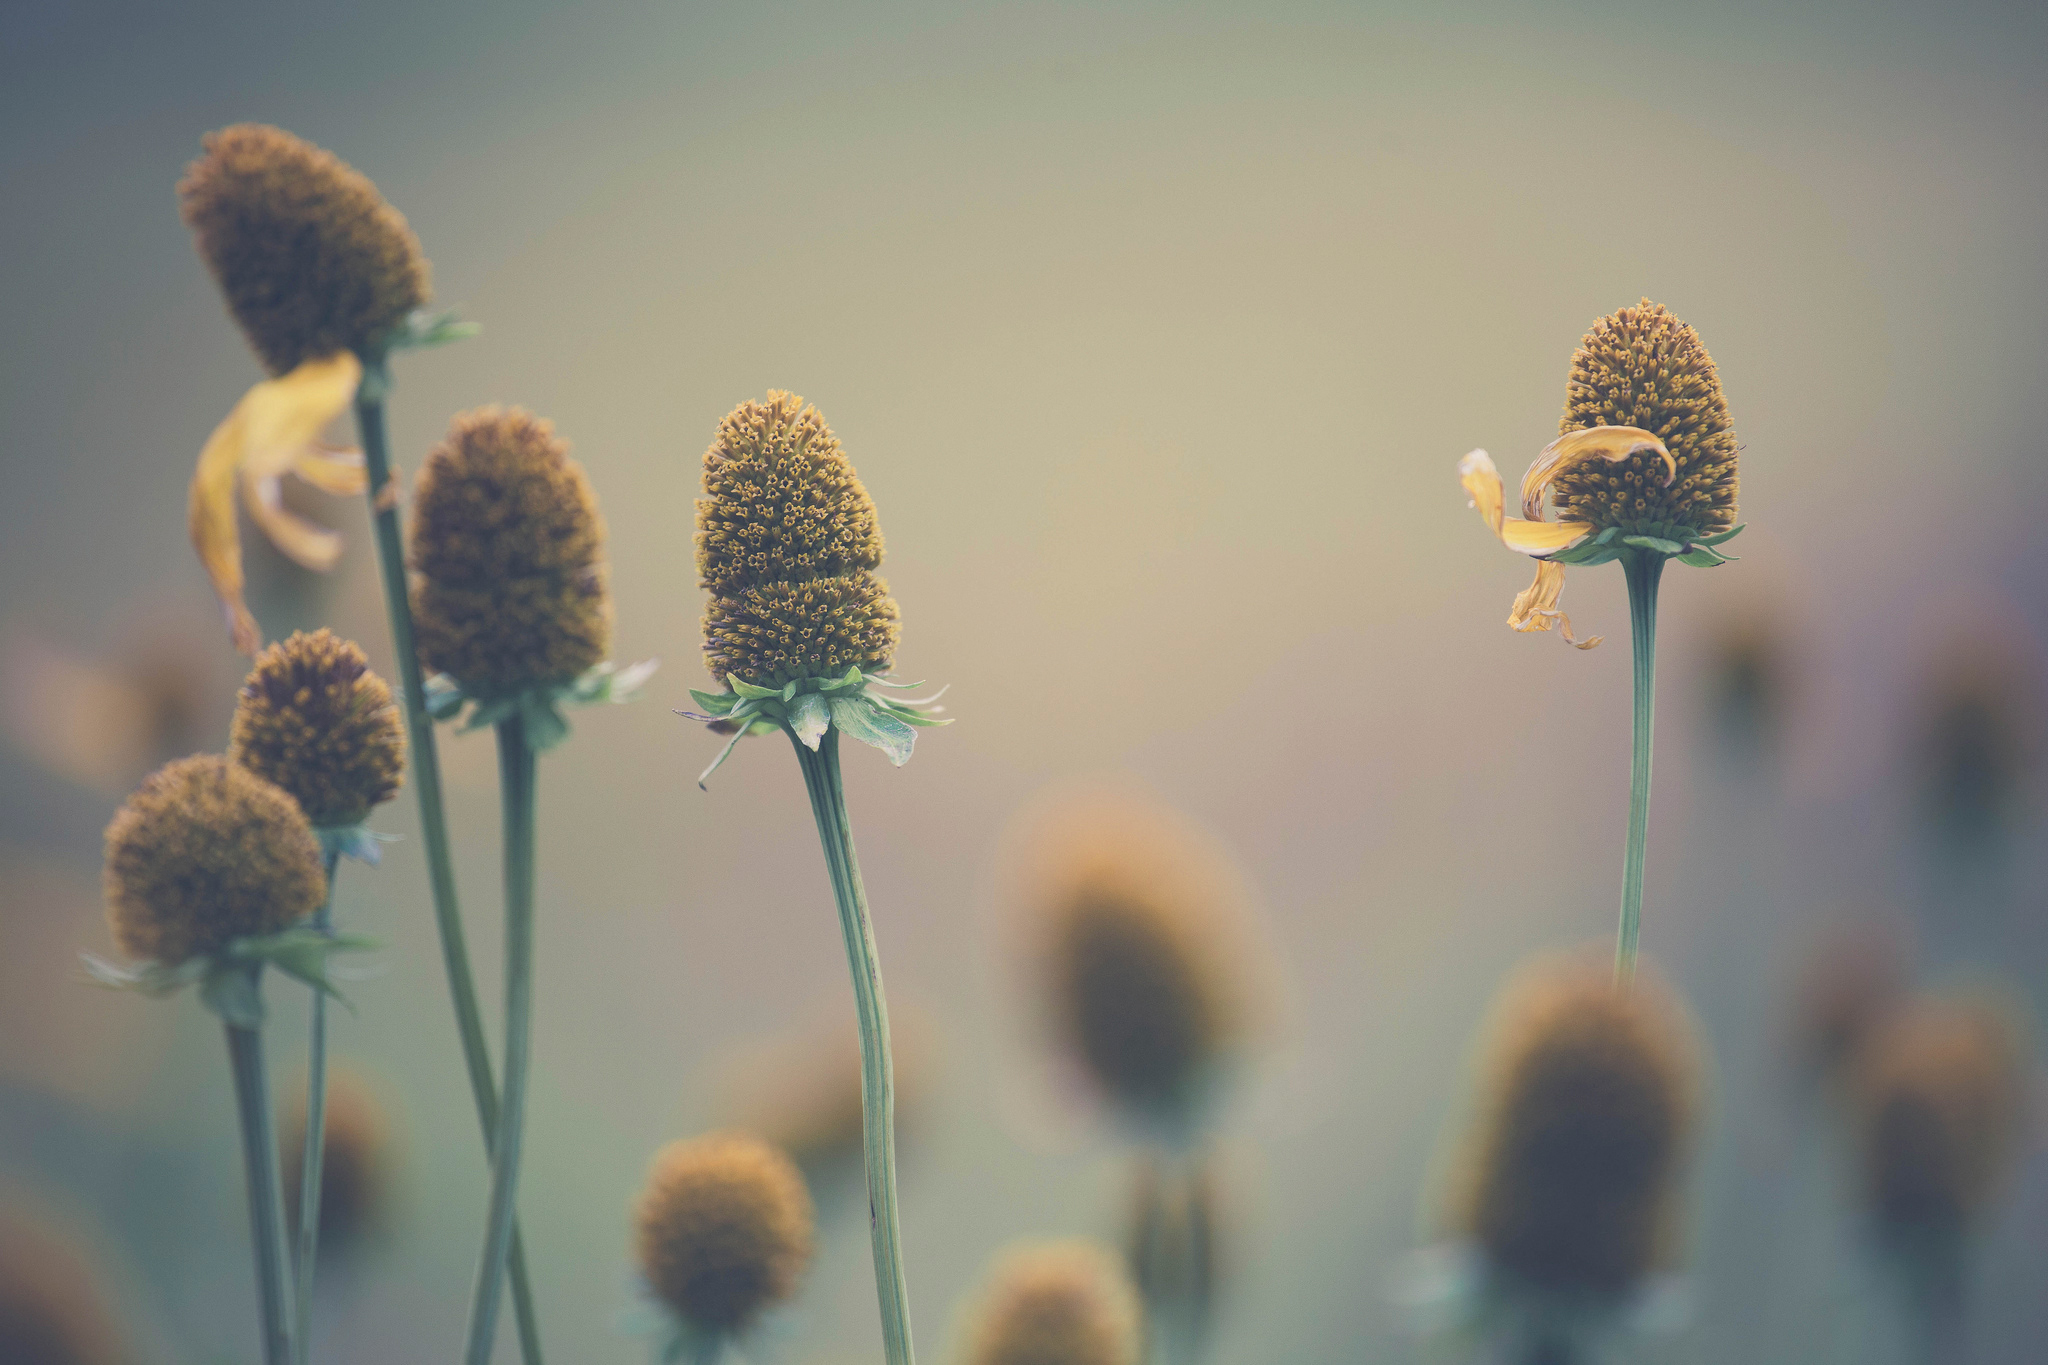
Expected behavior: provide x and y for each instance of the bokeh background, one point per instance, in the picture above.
(1155, 332)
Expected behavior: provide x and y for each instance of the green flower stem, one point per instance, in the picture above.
(266, 1192)
(426, 777)
(1643, 569)
(877, 1071)
(314, 1149)
(515, 781)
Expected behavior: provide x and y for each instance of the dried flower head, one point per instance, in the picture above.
(507, 540)
(355, 1174)
(787, 546)
(1938, 1098)
(205, 852)
(724, 1228)
(1643, 368)
(1749, 677)
(1979, 739)
(1055, 1303)
(1586, 1113)
(51, 1309)
(1852, 982)
(310, 257)
(315, 720)
(1139, 915)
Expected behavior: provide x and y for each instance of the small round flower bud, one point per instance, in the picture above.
(355, 1164)
(310, 257)
(725, 1230)
(507, 540)
(814, 629)
(1055, 1303)
(315, 720)
(203, 853)
(1642, 367)
(1938, 1100)
(51, 1309)
(1586, 1113)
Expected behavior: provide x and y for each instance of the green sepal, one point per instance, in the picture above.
(809, 718)
(541, 707)
(353, 841)
(1656, 543)
(444, 696)
(715, 703)
(301, 952)
(225, 982)
(751, 692)
(723, 754)
(488, 713)
(1606, 535)
(152, 979)
(853, 678)
(543, 722)
(860, 718)
(234, 993)
(1587, 551)
(422, 328)
(1721, 538)
(607, 682)
(1702, 558)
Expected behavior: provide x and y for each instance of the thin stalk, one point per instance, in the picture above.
(314, 1149)
(266, 1191)
(426, 778)
(877, 1070)
(1643, 570)
(515, 782)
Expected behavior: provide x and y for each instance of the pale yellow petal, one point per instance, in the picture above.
(210, 517)
(1541, 537)
(1574, 448)
(1482, 484)
(331, 470)
(308, 546)
(285, 415)
(1536, 605)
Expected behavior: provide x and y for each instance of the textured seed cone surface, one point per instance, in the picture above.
(1642, 367)
(355, 1167)
(507, 541)
(203, 853)
(724, 1230)
(310, 257)
(1586, 1114)
(51, 1308)
(1058, 1303)
(787, 546)
(315, 720)
(1939, 1100)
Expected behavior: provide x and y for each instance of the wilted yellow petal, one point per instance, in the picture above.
(210, 516)
(1536, 605)
(332, 470)
(1574, 448)
(1482, 483)
(285, 414)
(1541, 537)
(305, 544)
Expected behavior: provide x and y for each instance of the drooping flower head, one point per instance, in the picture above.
(1588, 1102)
(1644, 461)
(1054, 1303)
(355, 1163)
(206, 852)
(507, 541)
(315, 720)
(724, 1230)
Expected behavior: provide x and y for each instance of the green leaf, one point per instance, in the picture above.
(1657, 543)
(1721, 539)
(717, 703)
(809, 717)
(858, 718)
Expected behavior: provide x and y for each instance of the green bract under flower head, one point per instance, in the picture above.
(315, 720)
(1643, 368)
(205, 852)
(506, 538)
(725, 1230)
(310, 257)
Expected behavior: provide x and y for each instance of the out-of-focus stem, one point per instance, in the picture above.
(314, 1148)
(266, 1191)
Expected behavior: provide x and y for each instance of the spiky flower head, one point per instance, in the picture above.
(203, 853)
(310, 257)
(315, 720)
(787, 546)
(724, 1230)
(1587, 1108)
(1939, 1098)
(1055, 1303)
(52, 1310)
(1643, 368)
(355, 1163)
(507, 540)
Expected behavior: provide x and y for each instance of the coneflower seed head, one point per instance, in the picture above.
(310, 257)
(205, 852)
(1058, 1303)
(724, 1230)
(315, 720)
(1642, 367)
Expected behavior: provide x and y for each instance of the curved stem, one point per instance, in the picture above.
(313, 1150)
(877, 1072)
(1643, 570)
(426, 777)
(515, 781)
(266, 1191)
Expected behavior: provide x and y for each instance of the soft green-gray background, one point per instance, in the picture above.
(1155, 334)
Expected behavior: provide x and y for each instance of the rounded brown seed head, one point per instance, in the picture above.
(355, 1168)
(725, 1230)
(1850, 984)
(52, 1311)
(507, 541)
(781, 502)
(1642, 367)
(1057, 1303)
(1979, 738)
(1938, 1098)
(310, 257)
(1586, 1113)
(812, 629)
(315, 720)
(203, 853)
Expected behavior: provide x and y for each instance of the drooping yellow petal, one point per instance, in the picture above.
(1541, 537)
(210, 516)
(305, 544)
(336, 470)
(1574, 448)
(1536, 605)
(285, 414)
(1482, 482)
